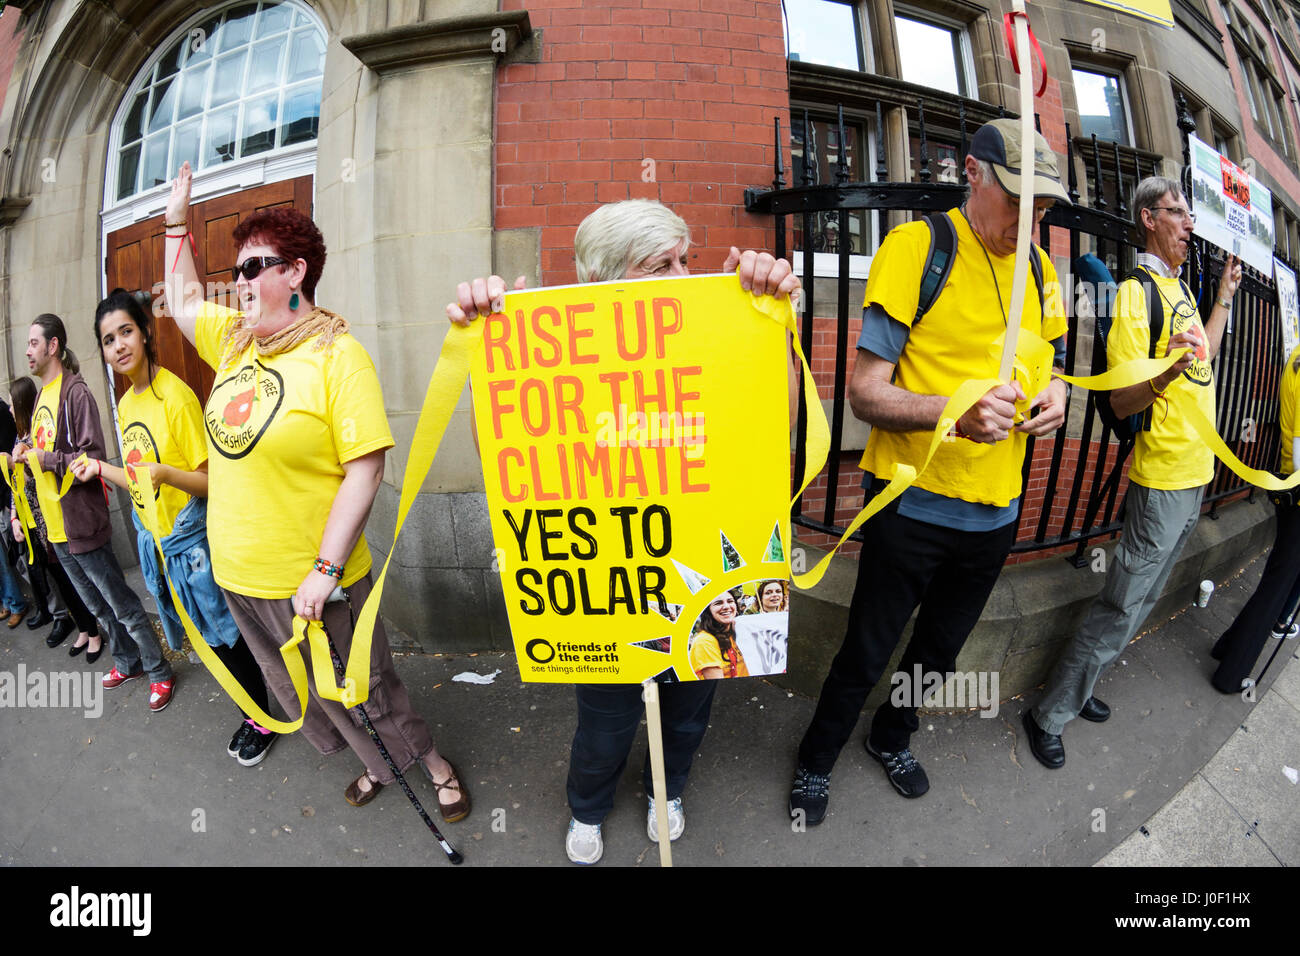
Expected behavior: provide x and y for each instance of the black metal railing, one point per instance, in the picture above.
(1086, 461)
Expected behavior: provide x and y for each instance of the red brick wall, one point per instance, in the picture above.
(10, 41)
(682, 93)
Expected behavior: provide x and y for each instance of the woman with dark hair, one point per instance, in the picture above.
(713, 651)
(1275, 595)
(772, 596)
(65, 426)
(45, 565)
(162, 430)
(296, 438)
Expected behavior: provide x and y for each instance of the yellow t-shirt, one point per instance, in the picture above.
(1287, 419)
(1171, 456)
(705, 652)
(951, 344)
(162, 424)
(45, 421)
(279, 431)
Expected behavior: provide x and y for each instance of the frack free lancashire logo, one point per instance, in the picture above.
(43, 429)
(241, 408)
(141, 449)
(1199, 372)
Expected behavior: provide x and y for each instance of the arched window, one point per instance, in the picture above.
(241, 81)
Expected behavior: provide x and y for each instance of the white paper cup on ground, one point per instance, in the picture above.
(1203, 598)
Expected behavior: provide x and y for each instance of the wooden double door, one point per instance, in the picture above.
(134, 261)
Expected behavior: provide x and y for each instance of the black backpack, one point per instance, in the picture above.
(939, 259)
(1126, 429)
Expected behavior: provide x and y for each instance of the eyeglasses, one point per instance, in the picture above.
(1179, 212)
(252, 266)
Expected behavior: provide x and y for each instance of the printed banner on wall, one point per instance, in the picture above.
(635, 446)
(1288, 307)
(1234, 210)
(1156, 11)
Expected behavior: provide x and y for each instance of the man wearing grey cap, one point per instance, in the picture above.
(1171, 465)
(942, 544)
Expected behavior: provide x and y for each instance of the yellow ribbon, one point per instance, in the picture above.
(16, 479)
(141, 480)
(53, 490)
(445, 386)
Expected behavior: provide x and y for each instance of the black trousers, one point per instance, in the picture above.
(1239, 647)
(241, 663)
(904, 563)
(608, 717)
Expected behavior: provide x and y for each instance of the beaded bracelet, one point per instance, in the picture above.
(325, 567)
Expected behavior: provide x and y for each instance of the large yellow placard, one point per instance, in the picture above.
(1157, 11)
(635, 447)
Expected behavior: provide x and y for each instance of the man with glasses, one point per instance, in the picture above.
(1171, 466)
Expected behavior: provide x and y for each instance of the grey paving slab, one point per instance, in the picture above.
(1196, 828)
(1248, 772)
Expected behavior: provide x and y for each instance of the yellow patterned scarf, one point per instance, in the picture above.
(318, 322)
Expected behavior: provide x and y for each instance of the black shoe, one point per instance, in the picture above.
(256, 745)
(810, 794)
(39, 619)
(907, 776)
(237, 741)
(62, 628)
(92, 656)
(1046, 747)
(1095, 710)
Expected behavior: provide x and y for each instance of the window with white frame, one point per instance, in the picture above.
(934, 51)
(234, 83)
(828, 32)
(1103, 105)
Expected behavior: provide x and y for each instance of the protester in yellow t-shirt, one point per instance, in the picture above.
(1170, 465)
(1273, 604)
(161, 429)
(939, 548)
(713, 651)
(296, 438)
(65, 428)
(45, 565)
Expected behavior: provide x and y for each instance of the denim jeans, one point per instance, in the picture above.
(11, 592)
(608, 718)
(99, 581)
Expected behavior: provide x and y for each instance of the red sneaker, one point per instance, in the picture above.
(160, 694)
(115, 678)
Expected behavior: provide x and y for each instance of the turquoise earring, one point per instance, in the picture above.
(293, 302)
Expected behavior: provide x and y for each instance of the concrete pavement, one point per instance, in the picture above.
(1203, 773)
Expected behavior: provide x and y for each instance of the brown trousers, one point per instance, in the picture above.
(267, 624)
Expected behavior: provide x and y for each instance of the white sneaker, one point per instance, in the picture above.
(676, 820)
(583, 844)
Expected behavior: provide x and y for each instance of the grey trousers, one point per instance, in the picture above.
(267, 624)
(102, 587)
(1156, 527)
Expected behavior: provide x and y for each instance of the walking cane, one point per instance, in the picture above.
(1282, 630)
(452, 853)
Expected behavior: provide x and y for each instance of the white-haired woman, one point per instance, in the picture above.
(633, 239)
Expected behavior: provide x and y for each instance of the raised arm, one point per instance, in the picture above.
(182, 289)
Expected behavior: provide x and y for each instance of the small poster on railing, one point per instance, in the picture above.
(1288, 307)
(1234, 210)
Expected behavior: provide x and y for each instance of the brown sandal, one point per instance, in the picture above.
(358, 797)
(451, 812)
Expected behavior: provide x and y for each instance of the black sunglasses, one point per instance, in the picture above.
(252, 266)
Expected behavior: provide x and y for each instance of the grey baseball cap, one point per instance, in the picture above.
(998, 142)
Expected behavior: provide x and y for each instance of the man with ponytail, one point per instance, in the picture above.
(65, 426)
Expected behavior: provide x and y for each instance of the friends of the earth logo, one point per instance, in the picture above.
(241, 407)
(1199, 372)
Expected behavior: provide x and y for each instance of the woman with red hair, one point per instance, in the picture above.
(296, 437)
